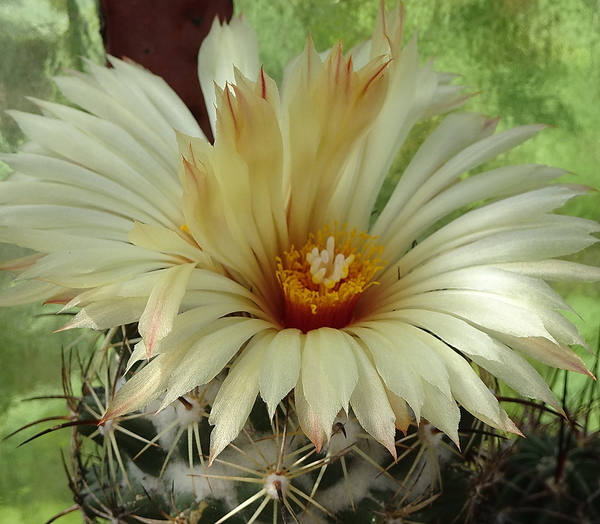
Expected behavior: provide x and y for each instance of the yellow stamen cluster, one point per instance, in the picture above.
(322, 281)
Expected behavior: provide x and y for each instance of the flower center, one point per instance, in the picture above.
(322, 281)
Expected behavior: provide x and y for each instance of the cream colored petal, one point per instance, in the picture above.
(441, 411)
(108, 313)
(535, 242)
(160, 97)
(210, 354)
(95, 267)
(248, 161)
(329, 374)
(36, 192)
(221, 229)
(80, 221)
(454, 331)
(410, 349)
(236, 396)
(560, 270)
(327, 109)
(484, 350)
(309, 421)
(137, 92)
(280, 367)
(120, 143)
(400, 409)
(399, 378)
(28, 292)
(411, 90)
(487, 279)
(486, 148)
(415, 92)
(561, 329)
(468, 389)
(65, 174)
(161, 239)
(226, 46)
(101, 155)
(145, 386)
(49, 241)
(370, 403)
(189, 327)
(163, 304)
(492, 312)
(542, 350)
(139, 353)
(500, 182)
(514, 213)
(18, 265)
(515, 371)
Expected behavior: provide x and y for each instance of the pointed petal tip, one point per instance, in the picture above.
(316, 437)
(211, 459)
(107, 417)
(457, 444)
(510, 427)
(391, 447)
(62, 328)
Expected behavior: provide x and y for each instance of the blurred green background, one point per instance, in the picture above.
(530, 61)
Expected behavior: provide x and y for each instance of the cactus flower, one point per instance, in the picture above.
(260, 254)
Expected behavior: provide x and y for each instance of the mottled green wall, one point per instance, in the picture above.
(530, 61)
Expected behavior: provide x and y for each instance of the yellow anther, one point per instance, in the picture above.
(322, 281)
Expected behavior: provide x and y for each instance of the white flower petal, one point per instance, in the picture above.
(398, 377)
(160, 97)
(28, 292)
(225, 47)
(161, 239)
(487, 279)
(515, 371)
(309, 421)
(504, 181)
(484, 309)
(64, 139)
(454, 331)
(280, 368)
(146, 385)
(413, 352)
(370, 403)
(211, 352)
(95, 267)
(532, 244)
(65, 174)
(542, 350)
(119, 142)
(329, 374)
(468, 389)
(455, 132)
(562, 270)
(400, 409)
(236, 396)
(105, 314)
(441, 411)
(163, 304)
(514, 213)
(408, 82)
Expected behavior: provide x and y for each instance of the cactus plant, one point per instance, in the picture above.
(150, 467)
